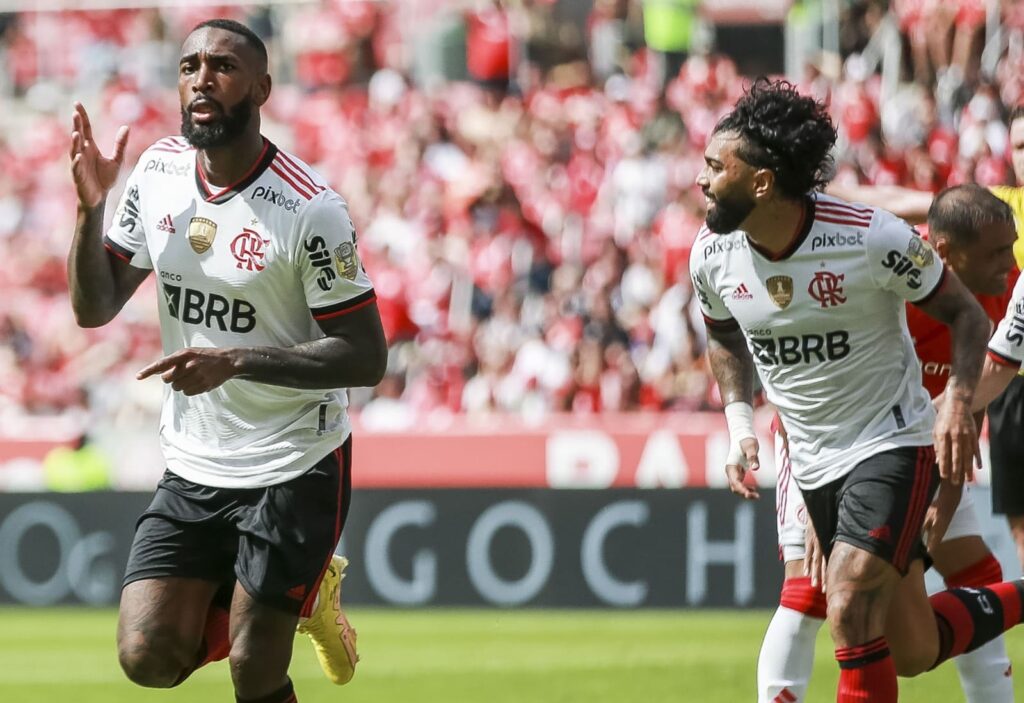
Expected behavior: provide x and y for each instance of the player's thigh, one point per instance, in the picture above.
(164, 616)
(954, 556)
(883, 502)
(289, 536)
(910, 624)
(962, 547)
(790, 510)
(181, 552)
(860, 587)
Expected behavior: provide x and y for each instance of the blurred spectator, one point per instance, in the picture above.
(528, 230)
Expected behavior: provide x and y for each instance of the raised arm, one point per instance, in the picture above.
(100, 282)
(910, 205)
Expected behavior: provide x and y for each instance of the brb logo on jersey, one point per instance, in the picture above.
(802, 349)
(198, 308)
(826, 287)
(248, 248)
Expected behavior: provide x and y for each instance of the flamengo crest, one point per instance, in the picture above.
(249, 251)
(826, 287)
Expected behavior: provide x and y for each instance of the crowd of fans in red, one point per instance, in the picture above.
(527, 229)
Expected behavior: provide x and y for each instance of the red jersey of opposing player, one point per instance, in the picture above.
(932, 342)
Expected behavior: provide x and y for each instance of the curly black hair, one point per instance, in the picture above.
(786, 132)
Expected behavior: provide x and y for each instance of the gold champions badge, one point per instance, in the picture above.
(780, 290)
(347, 260)
(201, 232)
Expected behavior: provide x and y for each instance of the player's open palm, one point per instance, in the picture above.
(94, 173)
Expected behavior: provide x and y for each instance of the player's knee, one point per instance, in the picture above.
(149, 664)
(913, 661)
(850, 614)
(256, 667)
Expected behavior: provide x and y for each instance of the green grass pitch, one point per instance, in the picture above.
(456, 656)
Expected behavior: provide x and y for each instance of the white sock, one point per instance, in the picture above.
(787, 657)
(985, 673)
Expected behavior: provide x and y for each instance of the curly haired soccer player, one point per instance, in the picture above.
(266, 316)
(973, 232)
(823, 327)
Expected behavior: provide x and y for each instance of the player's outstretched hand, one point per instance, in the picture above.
(940, 513)
(736, 469)
(193, 371)
(956, 441)
(94, 173)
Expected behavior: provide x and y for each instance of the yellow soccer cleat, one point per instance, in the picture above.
(333, 638)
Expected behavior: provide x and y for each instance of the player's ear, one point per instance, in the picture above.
(764, 183)
(261, 91)
(941, 245)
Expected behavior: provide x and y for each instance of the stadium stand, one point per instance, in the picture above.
(526, 207)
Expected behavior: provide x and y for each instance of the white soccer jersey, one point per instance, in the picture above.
(826, 325)
(1007, 344)
(252, 265)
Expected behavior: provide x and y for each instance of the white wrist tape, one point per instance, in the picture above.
(739, 417)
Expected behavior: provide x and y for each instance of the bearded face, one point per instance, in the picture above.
(205, 123)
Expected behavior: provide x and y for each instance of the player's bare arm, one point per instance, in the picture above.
(956, 437)
(100, 283)
(906, 203)
(354, 353)
(734, 370)
(995, 377)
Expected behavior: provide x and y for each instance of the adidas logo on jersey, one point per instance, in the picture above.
(741, 293)
(166, 225)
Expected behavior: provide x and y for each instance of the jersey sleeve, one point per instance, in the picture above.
(716, 314)
(333, 277)
(1007, 344)
(126, 236)
(902, 262)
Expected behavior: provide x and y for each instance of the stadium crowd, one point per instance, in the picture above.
(526, 213)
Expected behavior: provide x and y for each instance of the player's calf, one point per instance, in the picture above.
(860, 586)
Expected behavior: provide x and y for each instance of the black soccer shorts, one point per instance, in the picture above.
(1006, 449)
(879, 506)
(276, 541)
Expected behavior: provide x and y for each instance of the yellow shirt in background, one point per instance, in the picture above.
(1014, 197)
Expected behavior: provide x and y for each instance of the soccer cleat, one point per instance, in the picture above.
(334, 639)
